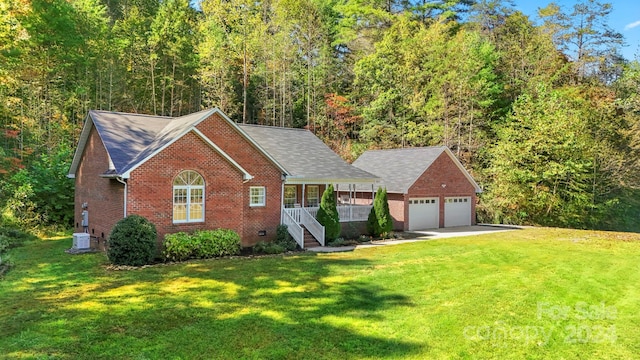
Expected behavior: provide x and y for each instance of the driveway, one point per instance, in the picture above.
(431, 234)
(462, 231)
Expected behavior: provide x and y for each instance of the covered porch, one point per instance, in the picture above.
(301, 201)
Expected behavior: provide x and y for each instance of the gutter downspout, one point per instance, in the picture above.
(284, 180)
(123, 182)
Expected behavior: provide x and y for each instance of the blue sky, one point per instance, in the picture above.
(625, 19)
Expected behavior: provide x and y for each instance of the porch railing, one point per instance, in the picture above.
(354, 212)
(296, 231)
(347, 213)
(315, 228)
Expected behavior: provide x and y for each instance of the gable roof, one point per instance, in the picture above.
(131, 139)
(401, 168)
(304, 156)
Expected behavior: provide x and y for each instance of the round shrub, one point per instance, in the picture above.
(201, 244)
(132, 242)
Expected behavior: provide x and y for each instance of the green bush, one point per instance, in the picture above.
(328, 215)
(363, 238)
(132, 242)
(284, 239)
(13, 237)
(214, 243)
(268, 248)
(380, 222)
(40, 195)
(201, 244)
(337, 242)
(178, 246)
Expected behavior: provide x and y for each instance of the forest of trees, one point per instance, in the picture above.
(544, 111)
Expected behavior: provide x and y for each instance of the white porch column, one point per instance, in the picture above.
(281, 200)
(351, 187)
(303, 191)
(373, 194)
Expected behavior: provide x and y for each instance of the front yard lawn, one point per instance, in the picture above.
(534, 293)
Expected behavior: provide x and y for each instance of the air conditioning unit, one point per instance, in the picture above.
(81, 241)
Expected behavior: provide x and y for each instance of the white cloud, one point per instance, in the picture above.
(632, 25)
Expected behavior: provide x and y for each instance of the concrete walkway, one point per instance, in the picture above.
(424, 235)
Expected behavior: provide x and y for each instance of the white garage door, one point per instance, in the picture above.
(457, 211)
(424, 213)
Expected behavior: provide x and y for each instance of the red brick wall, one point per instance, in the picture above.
(150, 187)
(442, 171)
(396, 208)
(264, 173)
(226, 194)
(105, 197)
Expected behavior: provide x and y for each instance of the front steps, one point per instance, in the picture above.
(309, 240)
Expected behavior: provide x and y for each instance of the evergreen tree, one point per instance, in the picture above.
(328, 215)
(380, 222)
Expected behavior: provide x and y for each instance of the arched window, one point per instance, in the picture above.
(188, 197)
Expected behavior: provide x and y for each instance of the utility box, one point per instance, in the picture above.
(81, 241)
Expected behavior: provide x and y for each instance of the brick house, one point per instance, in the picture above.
(203, 171)
(426, 187)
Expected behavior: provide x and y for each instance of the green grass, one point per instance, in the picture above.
(521, 294)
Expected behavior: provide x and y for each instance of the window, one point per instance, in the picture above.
(257, 195)
(313, 193)
(290, 196)
(188, 197)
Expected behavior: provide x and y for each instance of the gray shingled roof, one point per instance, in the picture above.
(304, 155)
(130, 139)
(400, 168)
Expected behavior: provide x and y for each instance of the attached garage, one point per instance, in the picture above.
(424, 213)
(457, 211)
(427, 187)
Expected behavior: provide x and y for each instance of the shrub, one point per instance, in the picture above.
(4, 245)
(337, 242)
(11, 238)
(284, 239)
(201, 244)
(363, 238)
(132, 242)
(380, 222)
(268, 248)
(328, 214)
(214, 243)
(14, 237)
(40, 195)
(177, 246)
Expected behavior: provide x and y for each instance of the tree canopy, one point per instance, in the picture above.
(543, 111)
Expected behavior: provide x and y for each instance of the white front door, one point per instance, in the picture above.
(424, 213)
(457, 211)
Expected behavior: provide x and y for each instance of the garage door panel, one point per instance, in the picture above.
(424, 213)
(457, 211)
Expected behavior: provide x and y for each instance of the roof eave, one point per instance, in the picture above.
(82, 142)
(294, 180)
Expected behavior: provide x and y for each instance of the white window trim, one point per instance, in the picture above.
(188, 204)
(263, 196)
